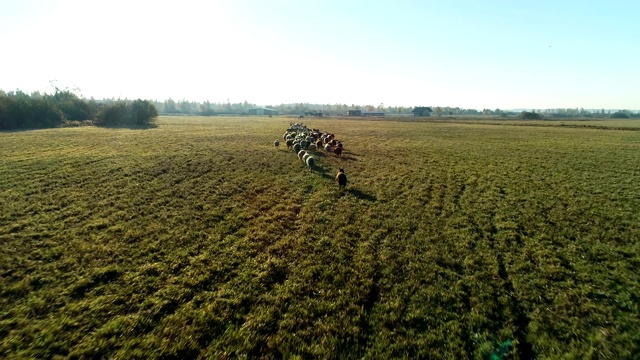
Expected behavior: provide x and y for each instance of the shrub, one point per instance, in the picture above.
(6, 123)
(530, 115)
(143, 112)
(73, 107)
(128, 113)
(620, 114)
(19, 111)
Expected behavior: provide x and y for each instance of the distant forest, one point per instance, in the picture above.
(170, 106)
(20, 110)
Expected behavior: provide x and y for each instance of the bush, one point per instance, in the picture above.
(20, 111)
(128, 113)
(73, 107)
(144, 112)
(530, 115)
(6, 123)
(620, 115)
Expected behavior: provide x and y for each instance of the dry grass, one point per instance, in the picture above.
(199, 239)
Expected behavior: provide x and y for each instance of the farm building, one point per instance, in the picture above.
(373, 113)
(315, 113)
(422, 111)
(263, 111)
(354, 112)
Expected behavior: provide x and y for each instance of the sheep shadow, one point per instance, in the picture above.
(347, 158)
(362, 195)
(323, 172)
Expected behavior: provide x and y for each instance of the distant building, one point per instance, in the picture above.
(314, 113)
(422, 111)
(263, 111)
(354, 112)
(373, 113)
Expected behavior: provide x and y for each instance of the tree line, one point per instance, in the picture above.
(19, 110)
(186, 107)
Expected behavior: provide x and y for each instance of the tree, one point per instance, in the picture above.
(185, 107)
(20, 111)
(530, 115)
(128, 113)
(170, 106)
(73, 107)
(206, 109)
(620, 114)
(143, 112)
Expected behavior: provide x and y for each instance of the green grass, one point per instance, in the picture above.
(199, 239)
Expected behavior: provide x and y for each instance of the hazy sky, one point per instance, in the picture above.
(472, 54)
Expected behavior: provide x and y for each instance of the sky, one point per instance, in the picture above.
(506, 54)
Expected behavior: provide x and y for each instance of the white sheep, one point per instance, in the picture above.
(301, 154)
(312, 147)
(327, 148)
(311, 162)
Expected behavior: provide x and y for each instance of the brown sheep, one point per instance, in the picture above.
(341, 179)
(337, 151)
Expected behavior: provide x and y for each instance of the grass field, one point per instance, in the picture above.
(198, 238)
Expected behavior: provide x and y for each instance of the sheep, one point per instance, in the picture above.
(327, 148)
(341, 179)
(312, 147)
(276, 143)
(289, 143)
(319, 144)
(305, 157)
(301, 154)
(338, 151)
(296, 148)
(311, 162)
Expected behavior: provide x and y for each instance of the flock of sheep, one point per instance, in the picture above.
(305, 141)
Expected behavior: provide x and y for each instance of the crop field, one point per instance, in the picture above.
(606, 124)
(199, 239)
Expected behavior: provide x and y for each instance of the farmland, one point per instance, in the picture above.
(197, 238)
